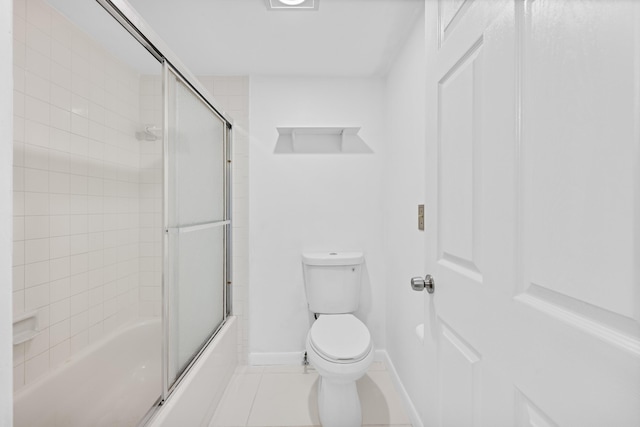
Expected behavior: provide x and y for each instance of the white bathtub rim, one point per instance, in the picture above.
(161, 414)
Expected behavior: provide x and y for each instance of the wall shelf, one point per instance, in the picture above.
(320, 140)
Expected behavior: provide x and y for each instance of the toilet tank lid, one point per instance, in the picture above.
(332, 258)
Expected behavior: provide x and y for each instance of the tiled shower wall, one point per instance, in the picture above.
(88, 193)
(232, 95)
(79, 193)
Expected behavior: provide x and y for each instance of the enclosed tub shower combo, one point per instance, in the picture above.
(123, 224)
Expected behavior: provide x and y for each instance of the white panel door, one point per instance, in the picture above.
(533, 213)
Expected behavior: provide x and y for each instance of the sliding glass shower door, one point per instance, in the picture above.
(196, 222)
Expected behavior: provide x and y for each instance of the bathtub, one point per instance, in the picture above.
(196, 398)
(111, 383)
(116, 381)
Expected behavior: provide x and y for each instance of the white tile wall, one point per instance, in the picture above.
(151, 193)
(88, 194)
(86, 252)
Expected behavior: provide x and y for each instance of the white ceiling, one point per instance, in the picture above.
(240, 37)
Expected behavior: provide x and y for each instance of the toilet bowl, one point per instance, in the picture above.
(339, 346)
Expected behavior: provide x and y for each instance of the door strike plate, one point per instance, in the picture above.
(421, 217)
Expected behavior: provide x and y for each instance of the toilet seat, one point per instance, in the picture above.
(340, 338)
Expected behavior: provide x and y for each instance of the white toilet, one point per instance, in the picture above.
(338, 344)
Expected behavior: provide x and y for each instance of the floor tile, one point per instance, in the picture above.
(286, 396)
(236, 403)
(377, 366)
(285, 400)
(380, 402)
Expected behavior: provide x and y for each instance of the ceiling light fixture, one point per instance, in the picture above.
(292, 4)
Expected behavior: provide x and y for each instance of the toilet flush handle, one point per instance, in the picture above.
(419, 284)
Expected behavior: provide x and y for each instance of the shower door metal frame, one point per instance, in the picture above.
(122, 12)
(167, 384)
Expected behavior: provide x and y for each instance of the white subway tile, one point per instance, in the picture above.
(59, 332)
(36, 203)
(96, 314)
(79, 224)
(60, 119)
(59, 182)
(36, 367)
(18, 354)
(79, 302)
(60, 140)
(36, 86)
(18, 377)
(60, 29)
(18, 303)
(79, 243)
(79, 105)
(43, 315)
(59, 247)
(59, 354)
(36, 296)
(61, 75)
(59, 311)
(96, 297)
(60, 53)
(59, 290)
(59, 204)
(59, 268)
(37, 345)
(36, 133)
(18, 179)
(36, 110)
(78, 184)
(18, 277)
(39, 15)
(37, 63)
(35, 157)
(36, 250)
(79, 144)
(78, 164)
(80, 85)
(38, 40)
(36, 180)
(79, 323)
(59, 225)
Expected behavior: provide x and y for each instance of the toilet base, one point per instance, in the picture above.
(338, 403)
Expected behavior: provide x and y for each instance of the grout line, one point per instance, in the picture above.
(246, 423)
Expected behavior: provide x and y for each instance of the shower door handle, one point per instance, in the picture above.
(419, 284)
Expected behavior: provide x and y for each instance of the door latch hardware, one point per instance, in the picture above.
(419, 284)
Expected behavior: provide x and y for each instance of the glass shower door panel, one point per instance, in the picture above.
(196, 223)
(199, 297)
(200, 160)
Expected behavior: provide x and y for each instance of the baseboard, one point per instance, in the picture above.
(286, 358)
(412, 411)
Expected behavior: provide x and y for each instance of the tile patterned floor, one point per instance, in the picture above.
(279, 396)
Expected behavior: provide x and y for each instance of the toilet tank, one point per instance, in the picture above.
(332, 281)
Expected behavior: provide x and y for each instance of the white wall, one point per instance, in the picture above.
(6, 156)
(404, 190)
(312, 202)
